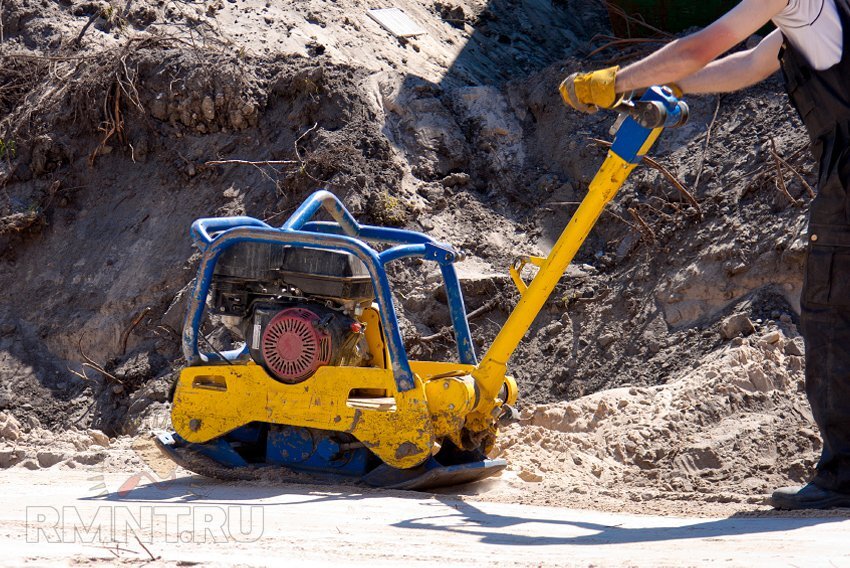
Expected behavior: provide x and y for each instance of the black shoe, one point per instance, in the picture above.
(807, 497)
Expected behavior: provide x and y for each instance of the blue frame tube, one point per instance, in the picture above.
(370, 233)
(401, 251)
(202, 228)
(327, 200)
(214, 236)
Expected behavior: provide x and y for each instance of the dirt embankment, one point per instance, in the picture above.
(106, 141)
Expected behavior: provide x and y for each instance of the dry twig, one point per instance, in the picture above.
(92, 18)
(251, 163)
(647, 230)
(675, 182)
(259, 164)
(780, 177)
(665, 172)
(620, 42)
(91, 364)
(617, 10)
(152, 557)
(304, 162)
(799, 176)
(81, 374)
(446, 331)
(659, 212)
(114, 123)
(707, 142)
(763, 167)
(125, 335)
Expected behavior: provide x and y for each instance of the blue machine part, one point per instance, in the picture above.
(213, 236)
(219, 450)
(300, 449)
(433, 474)
(317, 450)
(631, 135)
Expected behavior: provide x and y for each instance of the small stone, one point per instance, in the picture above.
(117, 389)
(553, 329)
(99, 438)
(606, 339)
(159, 109)
(736, 268)
(88, 458)
(208, 108)
(530, 476)
(455, 179)
(771, 337)
(10, 428)
(793, 348)
(785, 318)
(237, 121)
(736, 325)
(49, 458)
(8, 458)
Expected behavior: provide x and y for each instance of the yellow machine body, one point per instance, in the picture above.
(449, 401)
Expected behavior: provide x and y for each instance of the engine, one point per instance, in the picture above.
(296, 308)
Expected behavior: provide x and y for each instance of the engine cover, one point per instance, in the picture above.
(293, 340)
(294, 345)
(249, 272)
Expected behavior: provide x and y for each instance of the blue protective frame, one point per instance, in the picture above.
(214, 235)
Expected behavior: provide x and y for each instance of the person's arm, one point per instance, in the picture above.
(738, 70)
(684, 57)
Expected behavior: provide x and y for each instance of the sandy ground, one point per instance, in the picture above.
(80, 519)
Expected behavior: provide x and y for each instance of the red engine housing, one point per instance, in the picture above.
(294, 345)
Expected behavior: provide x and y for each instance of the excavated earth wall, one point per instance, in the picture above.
(664, 373)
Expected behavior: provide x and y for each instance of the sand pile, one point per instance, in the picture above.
(716, 438)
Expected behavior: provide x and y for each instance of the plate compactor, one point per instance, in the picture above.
(323, 384)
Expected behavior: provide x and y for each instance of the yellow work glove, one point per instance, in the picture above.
(677, 90)
(588, 92)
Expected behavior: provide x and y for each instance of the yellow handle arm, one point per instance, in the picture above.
(490, 373)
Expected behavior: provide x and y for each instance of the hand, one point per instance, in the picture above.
(568, 93)
(677, 90)
(588, 92)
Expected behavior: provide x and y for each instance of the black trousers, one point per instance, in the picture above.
(825, 315)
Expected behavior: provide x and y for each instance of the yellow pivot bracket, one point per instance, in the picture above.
(516, 270)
